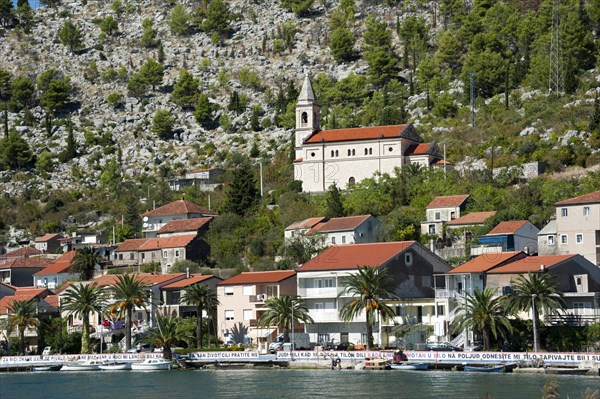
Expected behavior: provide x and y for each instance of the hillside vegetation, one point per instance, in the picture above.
(105, 101)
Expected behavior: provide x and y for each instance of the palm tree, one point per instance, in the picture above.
(543, 288)
(130, 292)
(484, 314)
(81, 300)
(23, 314)
(203, 297)
(283, 311)
(164, 335)
(84, 263)
(369, 287)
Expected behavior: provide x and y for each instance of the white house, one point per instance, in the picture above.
(346, 156)
(442, 210)
(336, 231)
(55, 274)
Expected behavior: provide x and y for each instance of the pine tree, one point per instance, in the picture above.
(379, 52)
(335, 207)
(217, 18)
(342, 44)
(162, 124)
(5, 94)
(595, 120)
(70, 150)
(203, 112)
(242, 193)
(185, 90)
(70, 36)
(179, 21)
(109, 25)
(131, 217)
(152, 73)
(7, 14)
(148, 39)
(14, 151)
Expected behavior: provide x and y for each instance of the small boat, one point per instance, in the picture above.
(54, 367)
(114, 366)
(87, 365)
(409, 366)
(374, 364)
(152, 364)
(486, 369)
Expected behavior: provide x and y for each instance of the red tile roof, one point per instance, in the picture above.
(186, 282)
(25, 263)
(22, 252)
(590, 198)
(485, 262)
(153, 244)
(32, 292)
(148, 278)
(359, 133)
(442, 162)
(305, 224)
(419, 149)
(21, 295)
(472, 218)
(47, 237)
(447, 201)
(532, 264)
(132, 244)
(340, 224)
(508, 227)
(179, 207)
(274, 276)
(175, 226)
(345, 257)
(60, 265)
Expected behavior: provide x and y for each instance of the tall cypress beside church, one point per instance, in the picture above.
(242, 193)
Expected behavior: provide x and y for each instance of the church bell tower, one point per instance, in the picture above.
(308, 114)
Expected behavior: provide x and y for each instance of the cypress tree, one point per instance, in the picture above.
(242, 193)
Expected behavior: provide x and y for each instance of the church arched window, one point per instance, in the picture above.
(351, 181)
(337, 153)
(304, 118)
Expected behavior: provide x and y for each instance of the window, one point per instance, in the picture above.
(120, 256)
(579, 238)
(366, 151)
(165, 254)
(349, 152)
(550, 240)
(370, 151)
(337, 153)
(272, 291)
(437, 216)
(332, 240)
(248, 290)
(177, 253)
(143, 256)
(578, 280)
(432, 229)
(563, 239)
(351, 181)
(332, 153)
(353, 152)
(324, 338)
(228, 290)
(440, 310)
(343, 239)
(312, 154)
(408, 258)
(319, 306)
(586, 211)
(131, 256)
(248, 314)
(304, 118)
(229, 315)
(564, 212)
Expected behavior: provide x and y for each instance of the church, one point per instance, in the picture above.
(347, 156)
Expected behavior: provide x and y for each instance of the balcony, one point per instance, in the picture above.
(329, 292)
(442, 293)
(325, 316)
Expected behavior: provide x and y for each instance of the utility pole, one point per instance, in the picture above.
(555, 81)
(472, 99)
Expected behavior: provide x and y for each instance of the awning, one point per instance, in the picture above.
(256, 333)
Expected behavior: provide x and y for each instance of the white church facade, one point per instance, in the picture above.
(347, 156)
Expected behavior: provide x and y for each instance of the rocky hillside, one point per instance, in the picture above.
(266, 49)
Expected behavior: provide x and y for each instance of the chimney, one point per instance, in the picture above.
(187, 272)
(542, 267)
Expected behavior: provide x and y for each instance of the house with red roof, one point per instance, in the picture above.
(336, 231)
(48, 243)
(56, 273)
(22, 252)
(156, 219)
(442, 210)
(322, 283)
(347, 156)
(511, 235)
(242, 300)
(575, 230)
(171, 294)
(578, 279)
(19, 271)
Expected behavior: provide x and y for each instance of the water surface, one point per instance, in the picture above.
(281, 383)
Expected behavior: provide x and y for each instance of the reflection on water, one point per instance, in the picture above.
(284, 384)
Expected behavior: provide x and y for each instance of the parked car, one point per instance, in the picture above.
(442, 346)
(475, 347)
(338, 346)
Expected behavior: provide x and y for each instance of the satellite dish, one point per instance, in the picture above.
(145, 225)
(145, 218)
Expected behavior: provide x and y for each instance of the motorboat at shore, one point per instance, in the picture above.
(114, 366)
(87, 365)
(374, 364)
(152, 364)
(497, 368)
(409, 366)
(53, 367)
